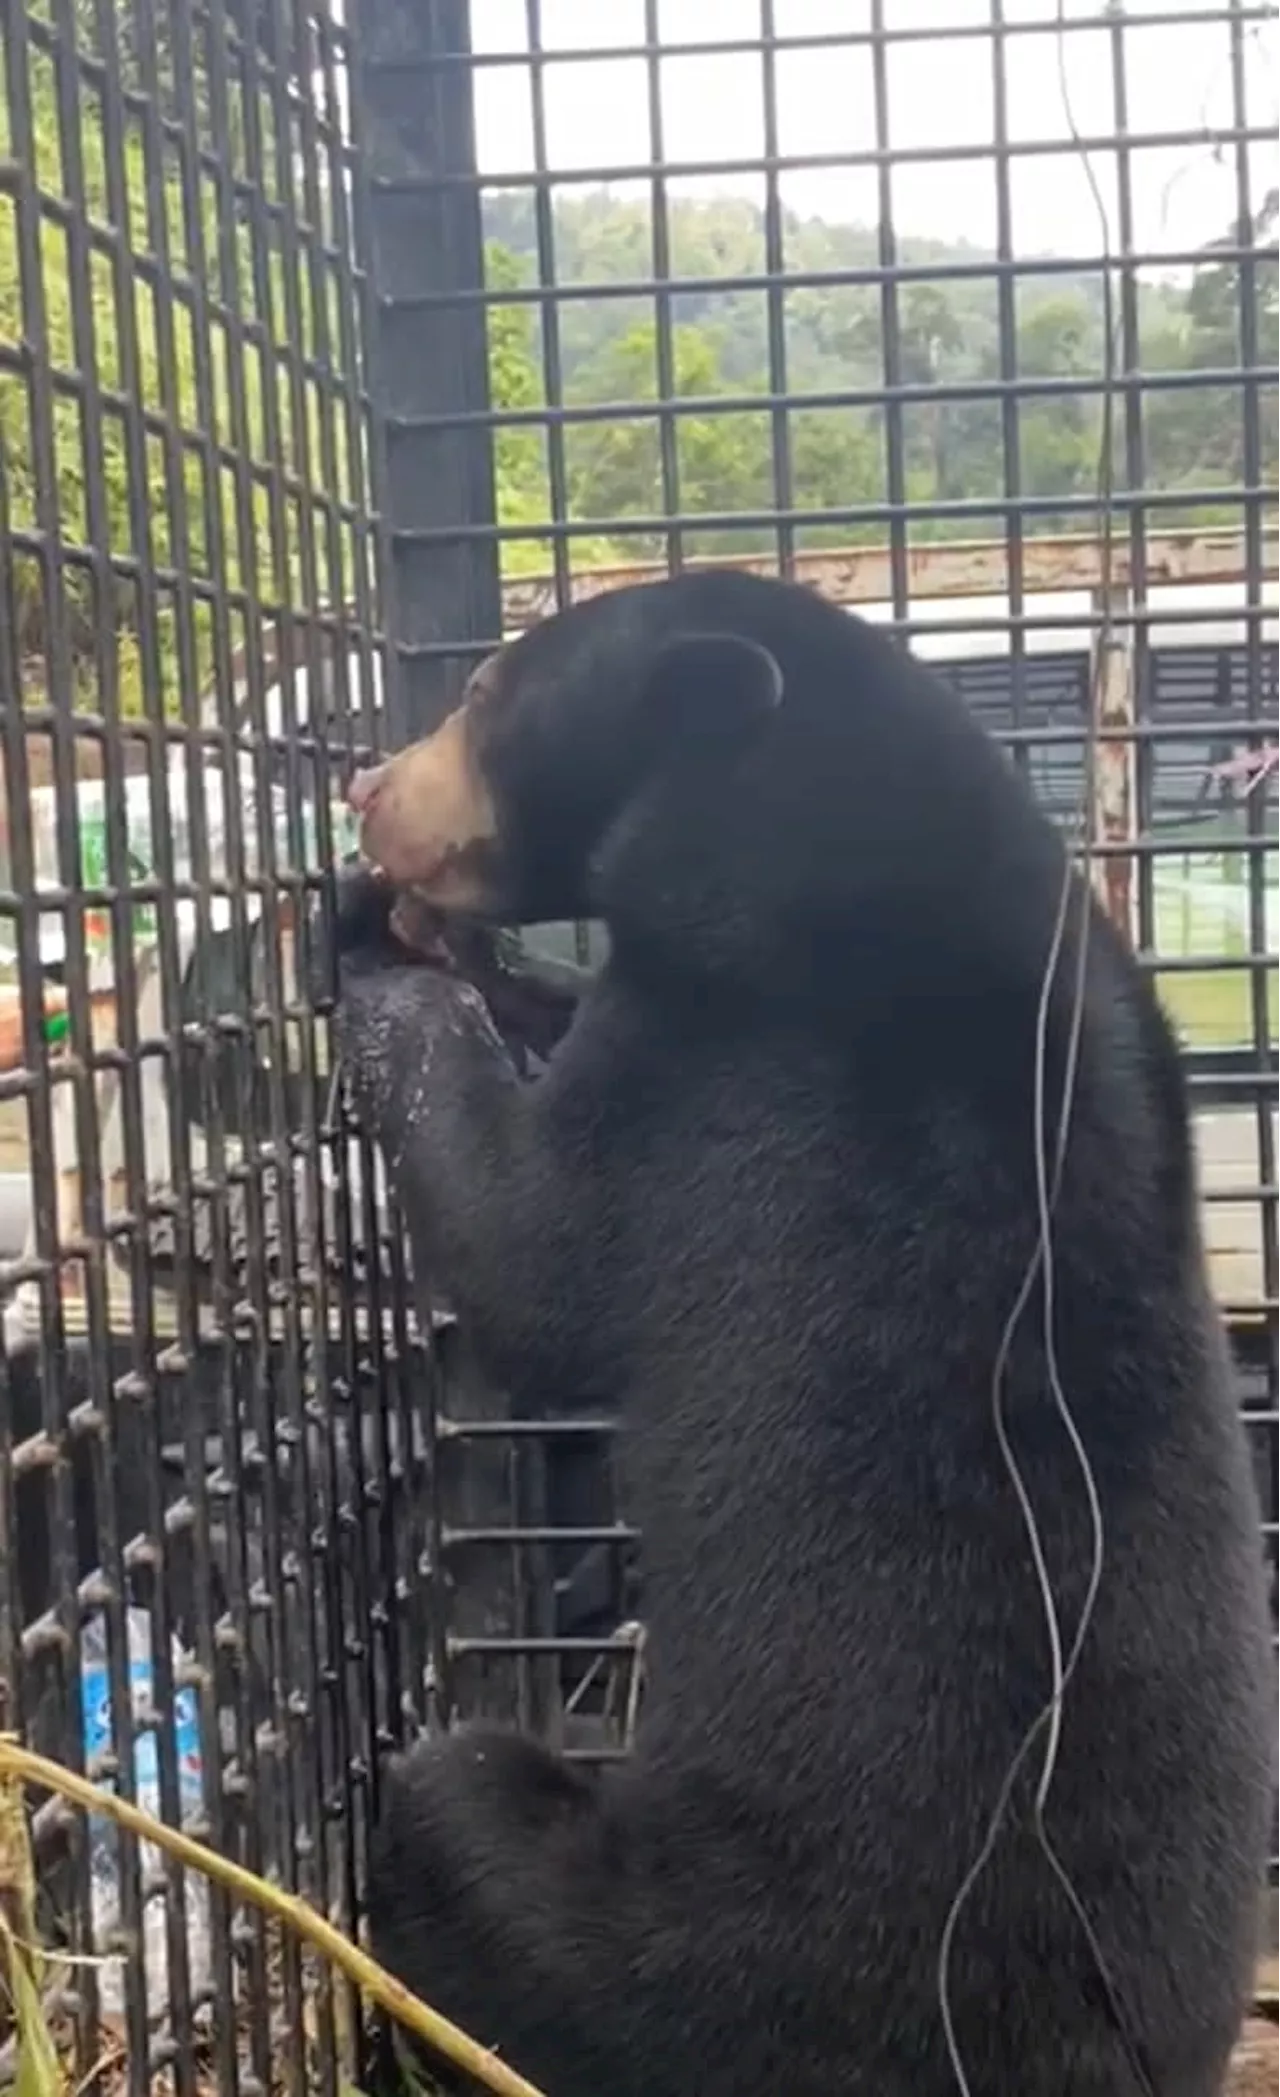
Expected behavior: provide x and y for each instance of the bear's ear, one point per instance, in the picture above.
(713, 688)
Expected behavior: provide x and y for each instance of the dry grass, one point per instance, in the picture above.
(41, 2058)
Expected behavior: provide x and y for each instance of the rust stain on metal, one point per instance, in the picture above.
(954, 568)
(1112, 813)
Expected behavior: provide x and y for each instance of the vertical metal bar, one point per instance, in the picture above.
(62, 1646)
(202, 1197)
(393, 1516)
(317, 264)
(774, 262)
(110, 1399)
(153, 1372)
(1134, 913)
(890, 331)
(548, 307)
(379, 1351)
(38, 1672)
(421, 121)
(1261, 969)
(444, 594)
(277, 1317)
(1111, 818)
(1007, 332)
(663, 317)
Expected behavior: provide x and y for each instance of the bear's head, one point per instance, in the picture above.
(563, 740)
(741, 780)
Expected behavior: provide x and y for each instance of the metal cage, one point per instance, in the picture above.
(210, 1475)
(337, 343)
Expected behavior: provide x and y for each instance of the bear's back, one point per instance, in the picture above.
(821, 1215)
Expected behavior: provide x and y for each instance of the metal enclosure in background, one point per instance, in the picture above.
(338, 341)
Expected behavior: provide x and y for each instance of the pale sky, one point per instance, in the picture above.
(940, 95)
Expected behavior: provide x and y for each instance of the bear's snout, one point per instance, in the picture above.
(427, 818)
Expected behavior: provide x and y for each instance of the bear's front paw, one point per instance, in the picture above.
(390, 1024)
(473, 1802)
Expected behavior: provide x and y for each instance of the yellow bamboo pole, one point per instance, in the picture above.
(296, 1914)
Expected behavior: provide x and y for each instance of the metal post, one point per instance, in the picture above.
(1111, 815)
(428, 362)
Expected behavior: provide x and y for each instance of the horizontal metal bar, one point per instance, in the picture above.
(1121, 501)
(554, 1429)
(460, 1648)
(832, 40)
(108, 239)
(172, 582)
(457, 1538)
(942, 156)
(983, 268)
(691, 406)
(954, 568)
(1071, 625)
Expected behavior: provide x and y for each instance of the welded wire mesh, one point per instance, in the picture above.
(206, 1472)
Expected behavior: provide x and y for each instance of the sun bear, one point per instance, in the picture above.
(779, 1196)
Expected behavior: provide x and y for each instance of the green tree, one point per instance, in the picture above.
(522, 487)
(723, 460)
(1220, 296)
(1059, 434)
(257, 409)
(948, 334)
(837, 462)
(515, 381)
(247, 447)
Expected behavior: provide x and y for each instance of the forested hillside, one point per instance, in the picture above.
(1192, 436)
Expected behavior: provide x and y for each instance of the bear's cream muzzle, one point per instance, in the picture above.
(427, 818)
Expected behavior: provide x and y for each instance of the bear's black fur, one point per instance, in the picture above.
(776, 1198)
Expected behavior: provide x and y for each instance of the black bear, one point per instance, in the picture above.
(780, 1196)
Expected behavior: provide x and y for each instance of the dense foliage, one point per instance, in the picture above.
(216, 445)
(953, 450)
(190, 456)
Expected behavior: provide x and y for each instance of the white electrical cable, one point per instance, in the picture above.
(1048, 1721)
